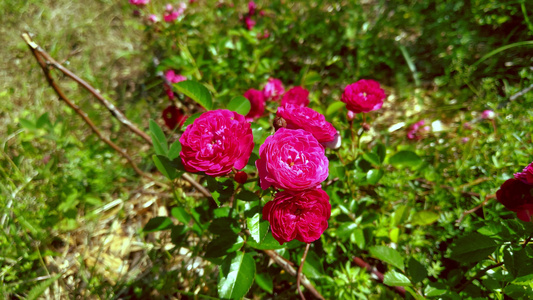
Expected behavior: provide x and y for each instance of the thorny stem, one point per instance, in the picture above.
(299, 274)
(526, 242)
(479, 274)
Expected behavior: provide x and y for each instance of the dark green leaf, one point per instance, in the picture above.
(416, 270)
(157, 224)
(158, 139)
(224, 226)
(374, 175)
(265, 282)
(240, 105)
(434, 290)
(313, 267)
(394, 278)
(372, 158)
(310, 78)
(268, 243)
(405, 158)
(380, 151)
(473, 247)
(247, 196)
(166, 167)
(223, 245)
(191, 119)
(178, 234)
(174, 151)
(237, 274)
(388, 255)
(197, 92)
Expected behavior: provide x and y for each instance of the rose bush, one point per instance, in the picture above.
(292, 160)
(298, 215)
(216, 142)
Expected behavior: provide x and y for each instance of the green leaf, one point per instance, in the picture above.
(224, 226)
(334, 108)
(223, 245)
(43, 120)
(158, 224)
(372, 158)
(270, 243)
(258, 227)
(344, 230)
(433, 291)
(416, 270)
(27, 124)
(184, 217)
(236, 276)
(265, 282)
(178, 235)
(247, 196)
(40, 288)
(174, 151)
(310, 78)
(424, 217)
(168, 168)
(473, 247)
(158, 139)
(380, 151)
(405, 158)
(197, 92)
(240, 105)
(313, 267)
(394, 278)
(374, 175)
(388, 255)
(400, 214)
(191, 119)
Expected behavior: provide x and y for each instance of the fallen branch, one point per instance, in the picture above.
(289, 269)
(361, 263)
(37, 53)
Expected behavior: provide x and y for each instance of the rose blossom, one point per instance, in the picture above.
(297, 96)
(416, 130)
(172, 14)
(257, 102)
(216, 142)
(298, 215)
(363, 96)
(526, 176)
(251, 8)
(173, 117)
(291, 160)
(139, 2)
(488, 114)
(309, 120)
(172, 77)
(153, 19)
(250, 23)
(273, 89)
(516, 195)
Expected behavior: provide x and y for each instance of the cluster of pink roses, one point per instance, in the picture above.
(516, 194)
(170, 14)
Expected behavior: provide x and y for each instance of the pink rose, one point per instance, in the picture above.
(172, 77)
(305, 118)
(153, 19)
(273, 89)
(216, 142)
(526, 176)
(488, 115)
(516, 195)
(297, 96)
(298, 215)
(250, 23)
(139, 2)
(363, 96)
(417, 130)
(172, 14)
(257, 102)
(251, 8)
(292, 160)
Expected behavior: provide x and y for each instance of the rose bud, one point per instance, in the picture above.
(279, 122)
(241, 177)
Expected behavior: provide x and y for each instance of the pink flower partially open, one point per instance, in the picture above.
(216, 142)
(516, 195)
(171, 14)
(526, 176)
(292, 160)
(305, 118)
(139, 2)
(363, 96)
(257, 102)
(297, 96)
(172, 77)
(488, 114)
(298, 215)
(417, 130)
(273, 89)
(250, 23)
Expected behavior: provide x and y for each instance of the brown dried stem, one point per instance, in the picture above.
(37, 53)
(289, 269)
(299, 274)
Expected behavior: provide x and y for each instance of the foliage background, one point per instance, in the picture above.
(70, 207)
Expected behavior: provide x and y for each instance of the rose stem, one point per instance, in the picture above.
(299, 275)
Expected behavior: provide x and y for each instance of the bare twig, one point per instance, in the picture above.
(299, 274)
(37, 53)
(522, 92)
(361, 263)
(289, 269)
